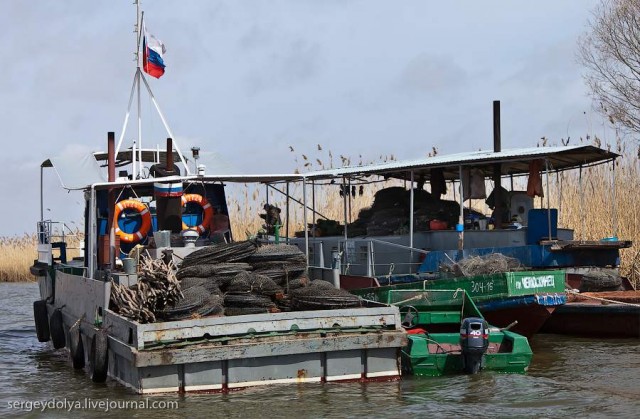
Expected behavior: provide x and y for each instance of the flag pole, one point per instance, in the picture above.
(164, 122)
(136, 82)
(140, 29)
(136, 87)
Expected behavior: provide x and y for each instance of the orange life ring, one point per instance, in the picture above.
(144, 214)
(207, 211)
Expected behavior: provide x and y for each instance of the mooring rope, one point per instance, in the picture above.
(602, 299)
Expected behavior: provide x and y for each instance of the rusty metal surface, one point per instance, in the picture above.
(138, 335)
(81, 296)
(269, 347)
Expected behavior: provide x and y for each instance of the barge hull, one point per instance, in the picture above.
(218, 354)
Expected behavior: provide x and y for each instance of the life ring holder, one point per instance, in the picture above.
(143, 210)
(207, 211)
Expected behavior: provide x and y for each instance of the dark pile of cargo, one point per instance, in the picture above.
(226, 279)
(243, 278)
(389, 214)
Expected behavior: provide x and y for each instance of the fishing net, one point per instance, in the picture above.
(221, 252)
(600, 280)
(239, 311)
(247, 300)
(212, 287)
(264, 285)
(240, 283)
(212, 305)
(284, 304)
(294, 284)
(207, 270)
(222, 281)
(193, 298)
(275, 252)
(483, 265)
(321, 295)
(389, 214)
(192, 281)
(281, 269)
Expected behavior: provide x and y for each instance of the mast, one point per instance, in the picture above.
(138, 79)
(140, 21)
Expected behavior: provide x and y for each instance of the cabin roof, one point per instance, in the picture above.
(513, 162)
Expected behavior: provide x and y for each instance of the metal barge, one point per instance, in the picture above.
(149, 209)
(226, 353)
(198, 354)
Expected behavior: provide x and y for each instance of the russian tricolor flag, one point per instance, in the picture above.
(152, 51)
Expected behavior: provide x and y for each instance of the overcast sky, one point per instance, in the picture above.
(248, 79)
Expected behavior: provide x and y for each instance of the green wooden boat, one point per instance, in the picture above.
(528, 297)
(436, 341)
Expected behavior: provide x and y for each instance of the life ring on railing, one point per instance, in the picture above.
(207, 211)
(144, 214)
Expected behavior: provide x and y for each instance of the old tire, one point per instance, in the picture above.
(76, 347)
(98, 357)
(57, 330)
(41, 320)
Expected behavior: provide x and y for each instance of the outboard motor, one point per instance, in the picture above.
(474, 341)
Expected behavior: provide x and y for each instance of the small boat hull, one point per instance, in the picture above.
(439, 354)
(528, 297)
(597, 314)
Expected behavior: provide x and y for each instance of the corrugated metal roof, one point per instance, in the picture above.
(257, 178)
(513, 162)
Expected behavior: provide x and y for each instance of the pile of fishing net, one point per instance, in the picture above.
(389, 213)
(221, 252)
(482, 265)
(322, 295)
(600, 279)
(156, 289)
(242, 278)
(197, 301)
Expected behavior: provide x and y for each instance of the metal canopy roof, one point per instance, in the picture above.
(513, 162)
(257, 178)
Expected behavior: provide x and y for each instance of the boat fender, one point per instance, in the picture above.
(76, 347)
(142, 209)
(98, 361)
(41, 319)
(57, 329)
(207, 211)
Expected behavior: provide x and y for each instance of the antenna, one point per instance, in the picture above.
(139, 78)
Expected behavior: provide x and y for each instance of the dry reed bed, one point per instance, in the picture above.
(18, 254)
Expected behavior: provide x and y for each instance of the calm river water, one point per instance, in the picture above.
(568, 377)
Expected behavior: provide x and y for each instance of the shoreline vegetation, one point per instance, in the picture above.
(584, 205)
